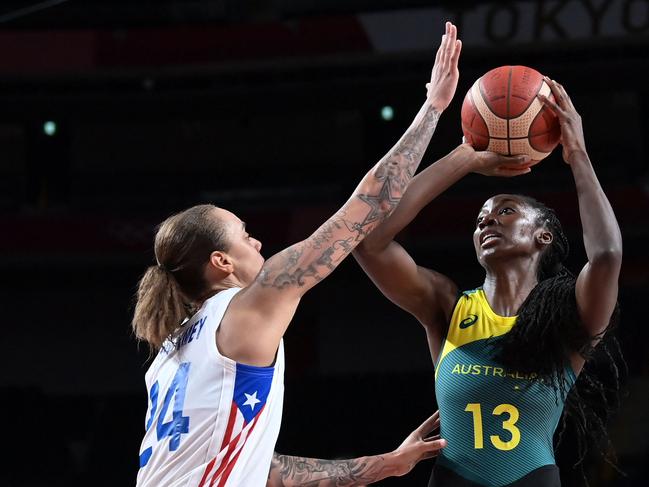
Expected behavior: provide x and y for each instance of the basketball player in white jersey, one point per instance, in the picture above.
(216, 312)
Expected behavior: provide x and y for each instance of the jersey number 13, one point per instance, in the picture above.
(508, 424)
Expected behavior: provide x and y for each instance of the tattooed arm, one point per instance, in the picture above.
(259, 315)
(288, 471)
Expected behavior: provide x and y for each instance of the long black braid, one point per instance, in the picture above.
(548, 330)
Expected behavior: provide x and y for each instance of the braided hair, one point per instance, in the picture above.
(548, 330)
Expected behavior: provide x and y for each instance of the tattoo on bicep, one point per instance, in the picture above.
(312, 472)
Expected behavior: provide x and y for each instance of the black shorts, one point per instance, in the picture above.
(546, 476)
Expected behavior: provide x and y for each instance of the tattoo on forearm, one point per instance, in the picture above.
(397, 168)
(288, 269)
(402, 161)
(336, 239)
(311, 472)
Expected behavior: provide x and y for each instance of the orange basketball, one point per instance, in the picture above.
(501, 113)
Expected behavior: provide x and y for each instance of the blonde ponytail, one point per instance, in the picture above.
(160, 308)
(171, 291)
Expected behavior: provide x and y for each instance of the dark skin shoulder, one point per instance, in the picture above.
(426, 294)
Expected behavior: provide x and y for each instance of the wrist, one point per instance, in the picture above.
(577, 156)
(434, 104)
(392, 464)
(464, 158)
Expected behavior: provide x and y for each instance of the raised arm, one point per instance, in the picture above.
(597, 283)
(259, 315)
(426, 294)
(290, 471)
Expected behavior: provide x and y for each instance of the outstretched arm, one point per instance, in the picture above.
(260, 314)
(426, 294)
(597, 283)
(289, 471)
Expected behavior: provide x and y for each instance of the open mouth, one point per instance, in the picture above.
(489, 238)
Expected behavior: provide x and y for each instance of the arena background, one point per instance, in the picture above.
(273, 109)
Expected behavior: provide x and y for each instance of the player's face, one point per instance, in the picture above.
(244, 250)
(506, 227)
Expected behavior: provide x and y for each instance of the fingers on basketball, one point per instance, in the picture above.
(564, 95)
(561, 99)
(550, 105)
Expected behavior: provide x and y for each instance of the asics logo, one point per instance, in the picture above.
(468, 321)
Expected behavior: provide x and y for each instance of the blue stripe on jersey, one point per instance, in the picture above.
(145, 456)
(251, 388)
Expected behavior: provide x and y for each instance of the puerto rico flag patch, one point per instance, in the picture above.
(251, 388)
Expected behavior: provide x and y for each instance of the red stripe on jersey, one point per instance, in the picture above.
(226, 439)
(207, 471)
(226, 459)
(231, 447)
(228, 470)
(228, 429)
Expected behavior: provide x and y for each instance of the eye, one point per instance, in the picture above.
(479, 220)
(506, 211)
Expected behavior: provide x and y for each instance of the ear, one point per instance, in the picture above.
(221, 261)
(543, 237)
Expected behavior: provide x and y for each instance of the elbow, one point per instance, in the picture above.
(375, 243)
(366, 248)
(608, 257)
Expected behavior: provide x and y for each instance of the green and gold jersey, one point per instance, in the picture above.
(499, 423)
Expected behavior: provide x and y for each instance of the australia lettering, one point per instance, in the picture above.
(490, 371)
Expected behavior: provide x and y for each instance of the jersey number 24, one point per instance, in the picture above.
(179, 424)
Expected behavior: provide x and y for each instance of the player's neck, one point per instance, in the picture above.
(507, 287)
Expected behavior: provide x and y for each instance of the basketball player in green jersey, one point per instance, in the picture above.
(507, 353)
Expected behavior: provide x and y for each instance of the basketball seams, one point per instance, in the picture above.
(479, 134)
(509, 94)
(533, 99)
(476, 113)
(501, 146)
(531, 132)
(523, 146)
(474, 127)
(519, 126)
(496, 126)
(483, 96)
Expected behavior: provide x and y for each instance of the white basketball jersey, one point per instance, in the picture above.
(211, 422)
